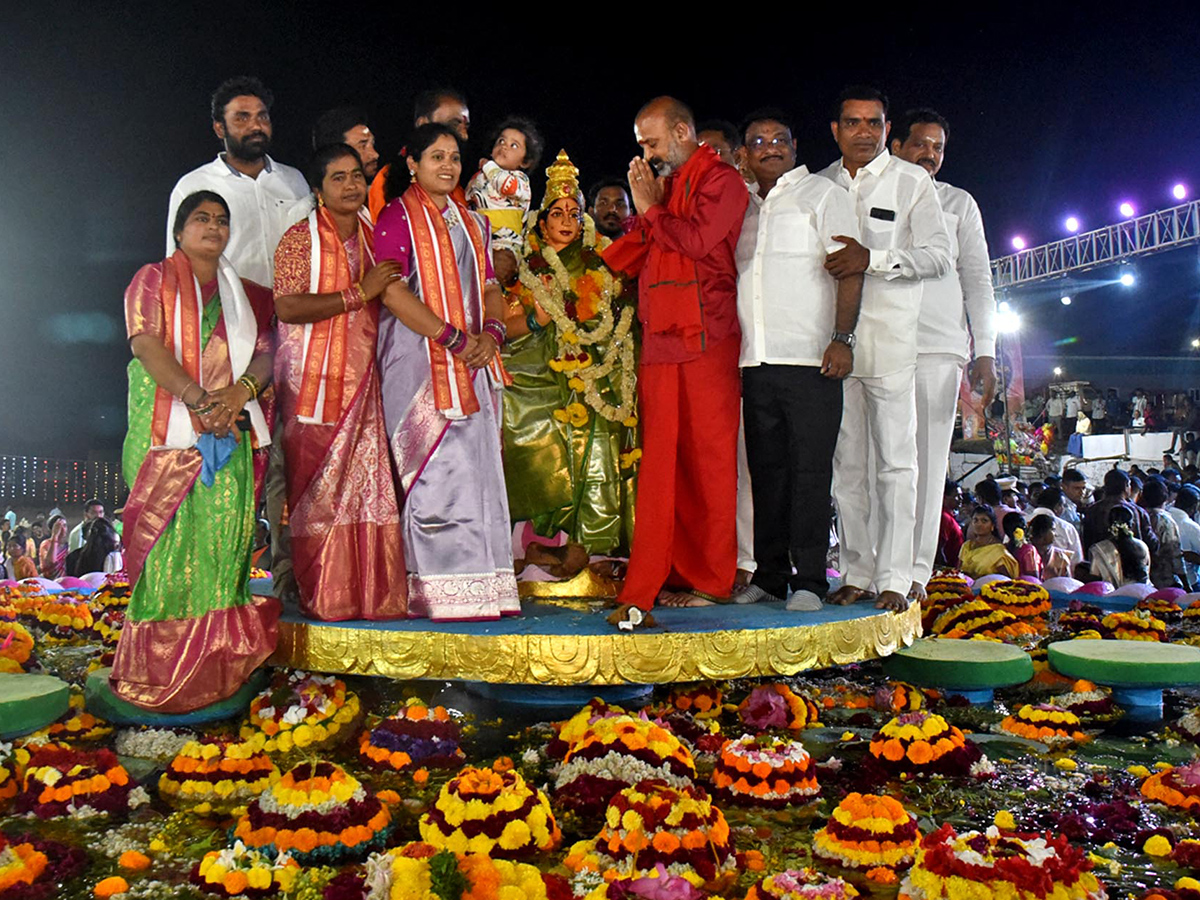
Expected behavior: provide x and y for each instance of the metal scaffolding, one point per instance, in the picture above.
(1166, 229)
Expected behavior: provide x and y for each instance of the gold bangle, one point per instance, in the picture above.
(250, 383)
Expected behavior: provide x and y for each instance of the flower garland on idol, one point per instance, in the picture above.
(301, 711)
(219, 776)
(978, 865)
(765, 771)
(481, 810)
(584, 311)
(652, 824)
(317, 812)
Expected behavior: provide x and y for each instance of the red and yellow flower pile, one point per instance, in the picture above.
(1023, 599)
(869, 832)
(239, 871)
(417, 735)
(420, 871)
(1161, 608)
(59, 781)
(801, 884)
(19, 864)
(653, 823)
(300, 711)
(1134, 626)
(764, 771)
(978, 618)
(1177, 786)
(702, 700)
(942, 592)
(778, 706)
(572, 730)
(318, 813)
(617, 751)
(16, 647)
(920, 742)
(1002, 865)
(481, 810)
(1052, 725)
(218, 776)
(65, 614)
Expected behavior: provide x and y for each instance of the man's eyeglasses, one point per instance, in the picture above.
(760, 142)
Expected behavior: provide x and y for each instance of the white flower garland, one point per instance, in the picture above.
(571, 333)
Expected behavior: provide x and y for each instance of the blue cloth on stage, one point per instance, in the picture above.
(215, 452)
(1075, 444)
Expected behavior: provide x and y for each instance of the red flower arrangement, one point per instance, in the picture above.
(778, 706)
(36, 869)
(59, 781)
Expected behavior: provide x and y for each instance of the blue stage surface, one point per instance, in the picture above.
(556, 645)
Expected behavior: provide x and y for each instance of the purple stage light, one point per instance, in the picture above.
(1180, 191)
(1071, 224)
(1018, 242)
(1127, 210)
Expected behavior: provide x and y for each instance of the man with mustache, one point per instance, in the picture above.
(348, 125)
(262, 194)
(798, 325)
(959, 300)
(904, 240)
(681, 246)
(609, 207)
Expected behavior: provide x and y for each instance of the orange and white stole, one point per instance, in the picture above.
(442, 291)
(322, 389)
(183, 313)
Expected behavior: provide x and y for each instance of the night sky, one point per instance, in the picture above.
(106, 105)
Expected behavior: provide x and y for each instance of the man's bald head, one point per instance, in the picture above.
(666, 131)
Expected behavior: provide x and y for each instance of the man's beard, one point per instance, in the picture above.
(609, 231)
(251, 148)
(669, 162)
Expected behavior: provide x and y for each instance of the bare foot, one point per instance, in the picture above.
(917, 592)
(891, 600)
(681, 599)
(742, 578)
(847, 594)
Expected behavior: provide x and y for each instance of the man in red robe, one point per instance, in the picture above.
(681, 247)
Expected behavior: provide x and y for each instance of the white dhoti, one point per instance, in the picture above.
(938, 377)
(745, 506)
(875, 481)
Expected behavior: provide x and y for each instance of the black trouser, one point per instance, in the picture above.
(792, 417)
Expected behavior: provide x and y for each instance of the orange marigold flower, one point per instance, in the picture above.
(109, 886)
(420, 776)
(133, 861)
(893, 750)
(665, 842)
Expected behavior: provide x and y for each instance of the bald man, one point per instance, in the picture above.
(681, 247)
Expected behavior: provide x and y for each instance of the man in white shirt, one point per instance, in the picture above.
(265, 197)
(1055, 407)
(1050, 502)
(798, 326)
(1183, 511)
(906, 241)
(1072, 414)
(92, 510)
(960, 299)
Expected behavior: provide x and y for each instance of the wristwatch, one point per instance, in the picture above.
(845, 337)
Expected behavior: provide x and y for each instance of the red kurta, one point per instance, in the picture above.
(689, 383)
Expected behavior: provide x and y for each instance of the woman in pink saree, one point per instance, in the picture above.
(441, 377)
(345, 524)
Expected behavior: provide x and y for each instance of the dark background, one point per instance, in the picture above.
(105, 106)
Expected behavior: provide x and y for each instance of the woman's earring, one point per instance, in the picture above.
(320, 200)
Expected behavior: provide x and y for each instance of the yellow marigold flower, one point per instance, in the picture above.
(631, 422)
(1138, 771)
(1157, 845)
(575, 383)
(1004, 820)
(1066, 763)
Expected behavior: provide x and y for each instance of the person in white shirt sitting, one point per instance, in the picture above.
(958, 313)
(265, 197)
(904, 241)
(1050, 502)
(798, 326)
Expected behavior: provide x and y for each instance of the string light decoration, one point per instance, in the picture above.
(25, 479)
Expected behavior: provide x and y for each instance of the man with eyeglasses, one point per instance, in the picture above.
(904, 240)
(798, 324)
(959, 300)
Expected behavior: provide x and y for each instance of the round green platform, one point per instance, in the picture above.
(1128, 664)
(30, 702)
(100, 701)
(960, 666)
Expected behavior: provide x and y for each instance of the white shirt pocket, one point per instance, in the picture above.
(792, 233)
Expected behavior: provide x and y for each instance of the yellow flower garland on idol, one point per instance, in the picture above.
(484, 811)
(868, 831)
(219, 776)
(300, 711)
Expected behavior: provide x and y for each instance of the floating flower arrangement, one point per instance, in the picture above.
(920, 743)
(481, 810)
(869, 832)
(301, 711)
(764, 771)
(220, 776)
(1053, 726)
(416, 736)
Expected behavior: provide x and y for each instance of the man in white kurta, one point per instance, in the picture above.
(265, 197)
(955, 308)
(904, 241)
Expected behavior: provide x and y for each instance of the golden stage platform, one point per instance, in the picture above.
(573, 644)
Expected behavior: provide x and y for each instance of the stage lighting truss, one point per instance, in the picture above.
(1166, 229)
